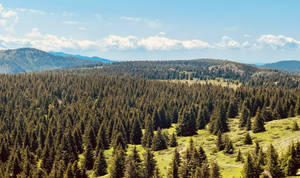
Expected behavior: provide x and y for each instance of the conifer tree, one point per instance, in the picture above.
(132, 170)
(117, 167)
(295, 126)
(174, 165)
(248, 168)
(136, 133)
(248, 139)
(219, 122)
(100, 165)
(214, 170)
(69, 172)
(219, 143)
(249, 125)
(102, 142)
(149, 133)
(272, 164)
(228, 145)
(88, 161)
(186, 124)
(173, 141)
(245, 116)
(149, 164)
(259, 124)
(159, 142)
(239, 157)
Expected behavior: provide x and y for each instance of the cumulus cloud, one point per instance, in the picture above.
(118, 42)
(8, 18)
(277, 42)
(228, 42)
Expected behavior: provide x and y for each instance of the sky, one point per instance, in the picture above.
(255, 31)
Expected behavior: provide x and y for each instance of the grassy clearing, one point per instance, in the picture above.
(279, 133)
(219, 82)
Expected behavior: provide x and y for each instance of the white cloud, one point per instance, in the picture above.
(159, 43)
(118, 42)
(277, 42)
(228, 42)
(8, 18)
(35, 33)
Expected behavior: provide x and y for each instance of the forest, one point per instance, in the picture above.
(61, 124)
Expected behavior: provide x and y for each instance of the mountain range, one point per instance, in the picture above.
(291, 66)
(33, 60)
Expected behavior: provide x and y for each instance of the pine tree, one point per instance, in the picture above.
(220, 145)
(248, 139)
(219, 123)
(88, 161)
(233, 109)
(245, 116)
(229, 149)
(119, 142)
(149, 133)
(173, 141)
(136, 133)
(214, 170)
(174, 165)
(248, 168)
(290, 162)
(272, 164)
(117, 167)
(149, 164)
(102, 142)
(295, 126)
(186, 124)
(259, 124)
(249, 125)
(239, 157)
(100, 165)
(159, 142)
(132, 170)
(69, 173)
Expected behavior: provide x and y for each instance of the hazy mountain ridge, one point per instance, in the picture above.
(82, 57)
(34, 60)
(292, 65)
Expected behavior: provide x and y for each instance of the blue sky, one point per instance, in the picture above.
(245, 31)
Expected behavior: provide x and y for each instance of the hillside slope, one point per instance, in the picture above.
(284, 65)
(34, 60)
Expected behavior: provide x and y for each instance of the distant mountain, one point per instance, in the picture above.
(34, 60)
(82, 57)
(284, 65)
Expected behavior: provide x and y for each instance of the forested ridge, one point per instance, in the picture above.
(48, 120)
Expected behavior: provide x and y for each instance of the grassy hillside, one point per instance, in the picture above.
(278, 132)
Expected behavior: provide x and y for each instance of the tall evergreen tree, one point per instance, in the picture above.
(272, 164)
(248, 168)
(149, 164)
(174, 165)
(214, 170)
(136, 133)
(88, 161)
(186, 124)
(159, 142)
(219, 122)
(245, 116)
(259, 124)
(173, 141)
(100, 165)
(149, 133)
(117, 167)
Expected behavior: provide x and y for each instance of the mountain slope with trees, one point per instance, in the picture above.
(32, 60)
